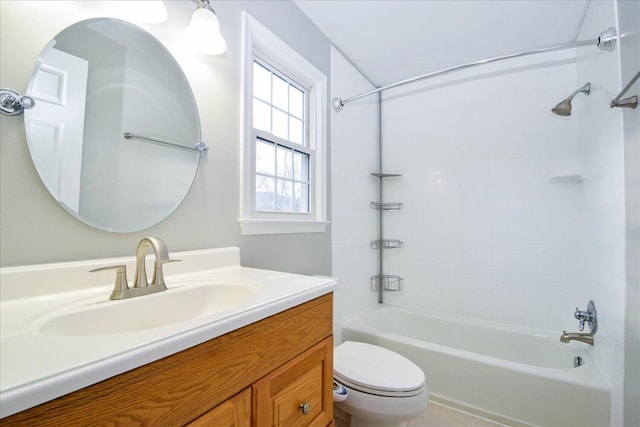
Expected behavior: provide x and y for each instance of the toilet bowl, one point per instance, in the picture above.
(377, 387)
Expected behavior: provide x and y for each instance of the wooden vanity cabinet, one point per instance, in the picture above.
(298, 393)
(275, 372)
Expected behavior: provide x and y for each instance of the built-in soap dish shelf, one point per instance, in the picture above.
(386, 206)
(386, 175)
(386, 244)
(566, 179)
(385, 282)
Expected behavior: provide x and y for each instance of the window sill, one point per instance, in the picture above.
(249, 227)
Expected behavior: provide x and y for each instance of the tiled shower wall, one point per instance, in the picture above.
(603, 202)
(486, 234)
(354, 156)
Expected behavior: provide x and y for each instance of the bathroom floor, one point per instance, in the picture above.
(440, 416)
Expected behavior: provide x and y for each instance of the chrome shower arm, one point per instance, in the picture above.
(586, 89)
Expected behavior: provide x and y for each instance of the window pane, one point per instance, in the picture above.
(285, 162)
(297, 166)
(306, 205)
(300, 166)
(280, 93)
(300, 197)
(284, 195)
(280, 124)
(265, 157)
(295, 131)
(261, 82)
(296, 97)
(265, 193)
(261, 115)
(297, 197)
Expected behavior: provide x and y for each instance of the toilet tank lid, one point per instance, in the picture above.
(376, 368)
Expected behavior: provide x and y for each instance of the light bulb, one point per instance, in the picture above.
(203, 34)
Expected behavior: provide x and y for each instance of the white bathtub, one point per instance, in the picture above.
(511, 376)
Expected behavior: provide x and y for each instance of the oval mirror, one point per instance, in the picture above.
(97, 83)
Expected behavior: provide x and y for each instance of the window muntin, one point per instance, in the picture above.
(282, 162)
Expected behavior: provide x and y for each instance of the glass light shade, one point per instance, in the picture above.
(203, 35)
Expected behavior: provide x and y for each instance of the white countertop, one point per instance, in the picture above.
(35, 367)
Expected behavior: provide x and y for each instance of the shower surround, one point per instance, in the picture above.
(486, 234)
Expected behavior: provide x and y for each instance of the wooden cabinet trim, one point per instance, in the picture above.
(235, 412)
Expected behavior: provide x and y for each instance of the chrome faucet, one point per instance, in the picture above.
(588, 317)
(141, 286)
(585, 337)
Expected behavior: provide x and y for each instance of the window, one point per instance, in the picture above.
(283, 156)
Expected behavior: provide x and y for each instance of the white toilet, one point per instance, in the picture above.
(380, 388)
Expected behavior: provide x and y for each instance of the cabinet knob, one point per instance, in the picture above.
(305, 408)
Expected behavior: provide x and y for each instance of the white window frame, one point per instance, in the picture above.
(262, 44)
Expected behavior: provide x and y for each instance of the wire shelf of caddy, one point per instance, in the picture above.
(386, 206)
(386, 244)
(385, 282)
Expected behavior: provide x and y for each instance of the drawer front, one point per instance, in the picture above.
(298, 393)
(301, 401)
(235, 412)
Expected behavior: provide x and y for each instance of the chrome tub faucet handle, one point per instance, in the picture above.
(589, 317)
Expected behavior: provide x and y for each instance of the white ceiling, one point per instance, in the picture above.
(393, 40)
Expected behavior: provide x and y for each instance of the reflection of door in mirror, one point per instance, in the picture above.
(59, 87)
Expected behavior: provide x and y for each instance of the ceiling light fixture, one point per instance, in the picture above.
(203, 34)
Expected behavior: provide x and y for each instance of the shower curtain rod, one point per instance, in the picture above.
(605, 41)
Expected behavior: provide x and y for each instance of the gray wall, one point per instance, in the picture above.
(34, 229)
(629, 27)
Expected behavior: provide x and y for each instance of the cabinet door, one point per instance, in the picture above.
(235, 412)
(299, 393)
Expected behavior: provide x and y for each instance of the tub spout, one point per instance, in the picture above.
(577, 336)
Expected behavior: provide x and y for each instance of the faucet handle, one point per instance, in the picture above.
(579, 315)
(587, 316)
(166, 261)
(158, 275)
(121, 284)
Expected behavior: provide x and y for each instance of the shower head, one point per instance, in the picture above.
(564, 107)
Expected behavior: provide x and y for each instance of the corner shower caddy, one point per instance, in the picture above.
(384, 282)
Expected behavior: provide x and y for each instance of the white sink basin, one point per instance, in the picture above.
(186, 301)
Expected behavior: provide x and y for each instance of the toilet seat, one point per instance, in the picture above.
(375, 370)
